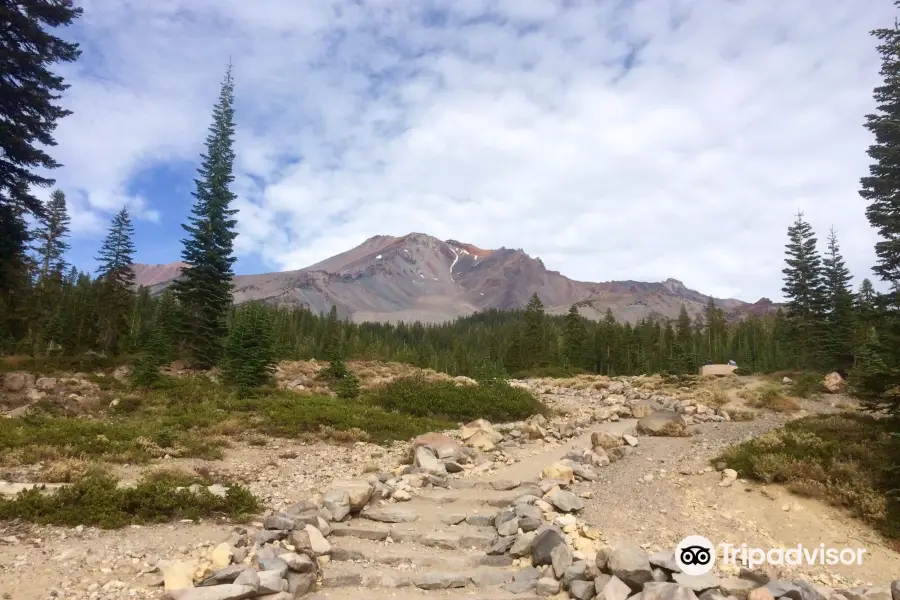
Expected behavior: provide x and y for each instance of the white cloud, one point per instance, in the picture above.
(503, 123)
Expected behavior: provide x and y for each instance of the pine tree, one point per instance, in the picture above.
(685, 360)
(116, 280)
(840, 318)
(575, 338)
(250, 348)
(534, 347)
(804, 288)
(50, 237)
(204, 289)
(28, 89)
(337, 368)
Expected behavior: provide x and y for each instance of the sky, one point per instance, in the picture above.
(635, 139)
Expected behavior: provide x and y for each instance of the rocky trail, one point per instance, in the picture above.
(582, 506)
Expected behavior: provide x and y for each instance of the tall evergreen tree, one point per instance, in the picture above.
(50, 236)
(534, 346)
(804, 288)
(204, 289)
(116, 280)
(575, 337)
(840, 317)
(28, 113)
(685, 359)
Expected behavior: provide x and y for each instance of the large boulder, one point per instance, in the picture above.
(359, 492)
(833, 382)
(631, 564)
(480, 426)
(444, 447)
(663, 423)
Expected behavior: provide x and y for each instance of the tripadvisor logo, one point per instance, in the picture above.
(695, 555)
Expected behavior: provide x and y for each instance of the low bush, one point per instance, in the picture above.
(843, 458)
(771, 397)
(495, 401)
(807, 385)
(97, 500)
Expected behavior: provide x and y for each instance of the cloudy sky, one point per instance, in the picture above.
(634, 139)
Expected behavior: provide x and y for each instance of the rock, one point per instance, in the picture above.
(363, 530)
(779, 589)
(662, 423)
(248, 577)
(545, 540)
(739, 588)
(760, 593)
(480, 441)
(582, 590)
(522, 545)
(359, 492)
(17, 381)
(426, 459)
(279, 522)
(895, 590)
(559, 471)
(300, 583)
(319, 545)
(480, 425)
(564, 501)
(46, 384)
(698, 583)
(444, 447)
(833, 382)
(581, 570)
(490, 577)
(501, 545)
(508, 527)
(221, 555)
(737, 412)
(299, 563)
(605, 440)
(613, 589)
(271, 582)
(729, 476)
(273, 564)
(560, 559)
(630, 440)
(226, 575)
(630, 564)
(391, 514)
(338, 503)
(502, 485)
(666, 591)
(453, 519)
(177, 575)
(437, 580)
(227, 591)
(665, 559)
(546, 586)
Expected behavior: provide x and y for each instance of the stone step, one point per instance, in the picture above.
(413, 556)
(432, 535)
(411, 593)
(364, 576)
(478, 494)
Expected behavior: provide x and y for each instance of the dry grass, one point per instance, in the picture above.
(371, 374)
(770, 397)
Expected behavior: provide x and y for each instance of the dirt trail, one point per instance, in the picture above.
(654, 497)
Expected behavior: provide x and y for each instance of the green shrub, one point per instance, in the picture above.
(806, 385)
(495, 401)
(250, 348)
(845, 457)
(96, 500)
(347, 386)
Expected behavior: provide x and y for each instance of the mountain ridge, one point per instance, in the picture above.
(417, 277)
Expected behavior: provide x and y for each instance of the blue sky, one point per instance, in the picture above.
(641, 139)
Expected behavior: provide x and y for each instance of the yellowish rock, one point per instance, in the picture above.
(177, 575)
(480, 441)
(221, 556)
(591, 533)
(559, 471)
(586, 547)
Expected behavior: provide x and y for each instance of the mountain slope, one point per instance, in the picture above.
(419, 277)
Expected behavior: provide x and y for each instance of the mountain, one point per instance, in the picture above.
(419, 277)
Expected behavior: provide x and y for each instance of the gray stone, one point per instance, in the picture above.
(301, 583)
(392, 514)
(613, 589)
(338, 580)
(502, 544)
(878, 593)
(363, 530)
(509, 527)
(338, 503)
(481, 520)
(274, 564)
(278, 596)
(581, 570)
(546, 539)
(807, 591)
(504, 484)
(269, 536)
(529, 524)
(249, 578)
(490, 577)
(440, 539)
(698, 583)
(581, 590)
(630, 564)
(522, 546)
(565, 501)
(226, 575)
(740, 588)
(663, 422)
(666, 591)
(546, 586)
(499, 560)
(454, 519)
(279, 521)
(476, 539)
(299, 563)
(585, 472)
(895, 589)
(602, 560)
(782, 589)
(272, 582)
(437, 580)
(560, 559)
(528, 511)
(659, 575)
(227, 591)
(665, 559)
(426, 460)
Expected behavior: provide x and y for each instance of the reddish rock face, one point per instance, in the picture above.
(417, 277)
